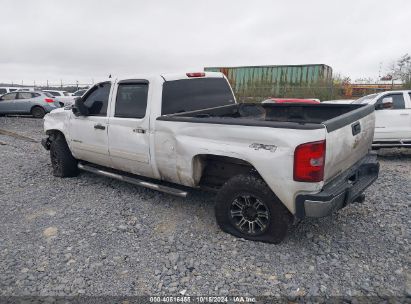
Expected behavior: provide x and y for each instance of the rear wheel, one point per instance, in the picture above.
(246, 207)
(62, 161)
(38, 112)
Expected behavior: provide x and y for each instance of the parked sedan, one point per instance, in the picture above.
(34, 103)
(63, 97)
(339, 101)
(79, 93)
(57, 93)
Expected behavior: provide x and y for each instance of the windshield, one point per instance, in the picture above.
(365, 99)
(195, 94)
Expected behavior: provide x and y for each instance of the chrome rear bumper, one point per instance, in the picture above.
(343, 190)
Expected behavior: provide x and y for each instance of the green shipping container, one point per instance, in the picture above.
(259, 82)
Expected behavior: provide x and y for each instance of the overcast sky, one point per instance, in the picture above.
(86, 40)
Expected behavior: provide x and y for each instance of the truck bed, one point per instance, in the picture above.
(293, 116)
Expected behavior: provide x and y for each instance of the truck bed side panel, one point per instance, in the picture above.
(177, 144)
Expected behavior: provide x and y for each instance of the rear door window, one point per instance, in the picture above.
(24, 95)
(97, 99)
(131, 101)
(195, 94)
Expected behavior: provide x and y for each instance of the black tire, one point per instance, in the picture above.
(271, 229)
(62, 161)
(38, 112)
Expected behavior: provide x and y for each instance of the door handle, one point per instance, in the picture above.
(99, 127)
(404, 114)
(138, 130)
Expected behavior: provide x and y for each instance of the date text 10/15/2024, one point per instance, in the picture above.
(201, 299)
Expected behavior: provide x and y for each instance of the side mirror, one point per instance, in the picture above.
(386, 103)
(79, 109)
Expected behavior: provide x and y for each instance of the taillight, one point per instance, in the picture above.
(309, 160)
(48, 100)
(197, 74)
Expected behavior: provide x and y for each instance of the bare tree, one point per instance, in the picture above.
(399, 69)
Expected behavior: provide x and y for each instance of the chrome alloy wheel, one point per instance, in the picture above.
(249, 215)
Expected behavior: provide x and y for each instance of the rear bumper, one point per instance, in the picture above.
(343, 190)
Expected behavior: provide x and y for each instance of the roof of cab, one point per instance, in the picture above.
(165, 77)
(178, 76)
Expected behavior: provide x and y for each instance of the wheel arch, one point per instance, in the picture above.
(37, 106)
(54, 133)
(213, 170)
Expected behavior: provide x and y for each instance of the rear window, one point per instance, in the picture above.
(54, 93)
(195, 94)
(66, 94)
(2, 91)
(48, 94)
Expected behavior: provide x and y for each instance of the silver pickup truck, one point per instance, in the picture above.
(268, 163)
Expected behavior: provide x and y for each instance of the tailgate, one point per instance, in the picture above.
(348, 139)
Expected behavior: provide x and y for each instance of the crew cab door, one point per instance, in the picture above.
(23, 102)
(88, 134)
(129, 132)
(393, 123)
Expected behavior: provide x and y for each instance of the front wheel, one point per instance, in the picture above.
(247, 208)
(62, 161)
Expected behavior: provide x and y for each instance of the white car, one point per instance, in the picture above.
(339, 101)
(79, 93)
(27, 89)
(5, 90)
(392, 118)
(57, 93)
(63, 97)
(267, 162)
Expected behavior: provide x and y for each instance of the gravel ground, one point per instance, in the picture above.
(96, 236)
